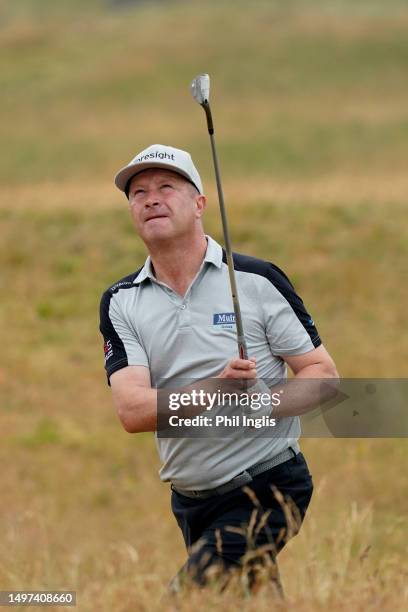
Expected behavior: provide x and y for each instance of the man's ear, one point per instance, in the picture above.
(201, 202)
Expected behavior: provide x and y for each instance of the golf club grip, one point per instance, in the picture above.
(242, 348)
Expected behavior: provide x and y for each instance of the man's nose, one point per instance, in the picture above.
(152, 199)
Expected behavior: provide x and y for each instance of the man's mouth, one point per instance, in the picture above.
(156, 217)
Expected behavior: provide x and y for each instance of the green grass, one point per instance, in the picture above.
(299, 84)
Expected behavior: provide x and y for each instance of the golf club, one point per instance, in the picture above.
(200, 89)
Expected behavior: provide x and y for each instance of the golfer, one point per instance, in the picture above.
(173, 319)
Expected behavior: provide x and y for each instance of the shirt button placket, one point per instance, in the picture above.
(184, 316)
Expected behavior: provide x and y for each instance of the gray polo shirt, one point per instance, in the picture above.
(145, 323)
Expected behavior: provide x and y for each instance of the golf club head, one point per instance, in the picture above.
(200, 88)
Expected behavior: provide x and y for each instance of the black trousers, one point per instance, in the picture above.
(247, 525)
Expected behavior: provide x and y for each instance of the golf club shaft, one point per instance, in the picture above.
(242, 347)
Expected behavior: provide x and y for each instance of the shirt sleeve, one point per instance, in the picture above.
(289, 327)
(122, 347)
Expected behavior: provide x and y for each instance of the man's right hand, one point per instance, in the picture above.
(239, 369)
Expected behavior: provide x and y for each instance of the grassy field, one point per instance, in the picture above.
(311, 109)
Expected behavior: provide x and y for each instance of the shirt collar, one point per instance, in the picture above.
(213, 255)
(214, 252)
(145, 272)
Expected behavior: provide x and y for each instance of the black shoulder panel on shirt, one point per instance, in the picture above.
(124, 283)
(114, 349)
(276, 276)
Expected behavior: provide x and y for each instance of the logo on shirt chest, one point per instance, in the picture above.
(225, 319)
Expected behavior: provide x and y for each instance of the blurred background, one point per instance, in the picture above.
(310, 103)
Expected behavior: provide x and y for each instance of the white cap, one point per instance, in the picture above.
(160, 156)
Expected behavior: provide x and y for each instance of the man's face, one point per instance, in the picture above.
(164, 205)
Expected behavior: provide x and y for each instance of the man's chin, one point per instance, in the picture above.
(157, 235)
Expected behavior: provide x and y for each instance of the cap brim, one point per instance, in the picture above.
(125, 174)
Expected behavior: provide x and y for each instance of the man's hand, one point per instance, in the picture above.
(240, 368)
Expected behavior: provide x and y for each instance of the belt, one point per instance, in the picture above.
(241, 479)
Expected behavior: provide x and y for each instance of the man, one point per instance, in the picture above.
(171, 320)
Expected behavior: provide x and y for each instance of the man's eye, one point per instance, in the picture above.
(137, 191)
(167, 185)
